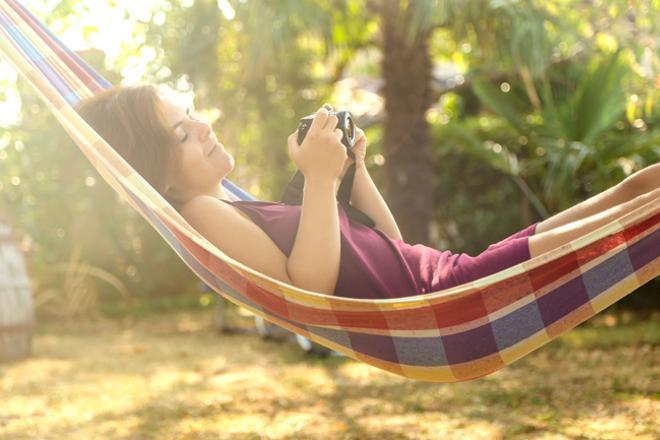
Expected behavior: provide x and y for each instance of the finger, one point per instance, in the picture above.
(339, 133)
(293, 138)
(291, 146)
(331, 121)
(327, 106)
(319, 120)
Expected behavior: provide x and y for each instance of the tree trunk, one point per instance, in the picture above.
(406, 69)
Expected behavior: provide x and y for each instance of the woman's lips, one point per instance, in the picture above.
(213, 148)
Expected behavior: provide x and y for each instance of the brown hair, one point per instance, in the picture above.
(130, 120)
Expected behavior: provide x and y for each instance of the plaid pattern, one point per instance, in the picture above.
(457, 334)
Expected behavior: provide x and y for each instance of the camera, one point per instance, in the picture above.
(293, 193)
(344, 123)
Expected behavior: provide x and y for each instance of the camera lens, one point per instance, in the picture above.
(351, 129)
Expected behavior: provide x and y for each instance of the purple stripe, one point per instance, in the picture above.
(518, 325)
(470, 345)
(378, 346)
(563, 300)
(61, 85)
(645, 250)
(607, 273)
(426, 351)
(337, 336)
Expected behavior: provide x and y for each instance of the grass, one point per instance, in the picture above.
(170, 375)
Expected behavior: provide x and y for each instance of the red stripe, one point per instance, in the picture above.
(506, 292)
(548, 273)
(268, 300)
(634, 230)
(460, 310)
(598, 248)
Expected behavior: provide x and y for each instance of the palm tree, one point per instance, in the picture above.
(406, 70)
(503, 32)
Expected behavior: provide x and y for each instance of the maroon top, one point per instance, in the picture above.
(374, 266)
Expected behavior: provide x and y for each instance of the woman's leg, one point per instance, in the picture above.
(542, 242)
(638, 183)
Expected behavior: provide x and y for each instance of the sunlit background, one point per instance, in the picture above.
(494, 115)
(567, 109)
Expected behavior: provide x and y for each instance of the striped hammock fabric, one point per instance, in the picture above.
(453, 335)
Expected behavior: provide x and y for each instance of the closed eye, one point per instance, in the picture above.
(192, 118)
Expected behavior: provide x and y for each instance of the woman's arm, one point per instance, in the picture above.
(236, 236)
(313, 263)
(366, 197)
(314, 260)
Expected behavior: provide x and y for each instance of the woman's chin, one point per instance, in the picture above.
(229, 168)
(232, 163)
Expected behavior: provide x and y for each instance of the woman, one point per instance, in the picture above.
(315, 246)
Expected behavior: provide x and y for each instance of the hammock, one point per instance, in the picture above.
(457, 334)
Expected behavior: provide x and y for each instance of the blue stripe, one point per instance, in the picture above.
(237, 191)
(99, 79)
(37, 59)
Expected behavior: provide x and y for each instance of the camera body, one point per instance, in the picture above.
(344, 123)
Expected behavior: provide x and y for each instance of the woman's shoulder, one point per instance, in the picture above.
(202, 206)
(198, 204)
(226, 227)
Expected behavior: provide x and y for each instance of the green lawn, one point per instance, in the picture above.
(170, 375)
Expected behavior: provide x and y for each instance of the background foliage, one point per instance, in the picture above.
(535, 106)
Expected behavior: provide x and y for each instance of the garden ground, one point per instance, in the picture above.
(171, 375)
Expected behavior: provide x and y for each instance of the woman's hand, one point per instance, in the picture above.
(321, 155)
(359, 148)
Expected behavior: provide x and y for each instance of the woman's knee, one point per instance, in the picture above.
(641, 182)
(651, 195)
(643, 199)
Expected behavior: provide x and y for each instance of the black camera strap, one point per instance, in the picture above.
(293, 194)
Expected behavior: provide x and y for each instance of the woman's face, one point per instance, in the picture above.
(202, 162)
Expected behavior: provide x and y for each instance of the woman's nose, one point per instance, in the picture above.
(204, 130)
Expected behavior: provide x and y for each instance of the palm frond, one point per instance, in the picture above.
(599, 100)
(502, 104)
